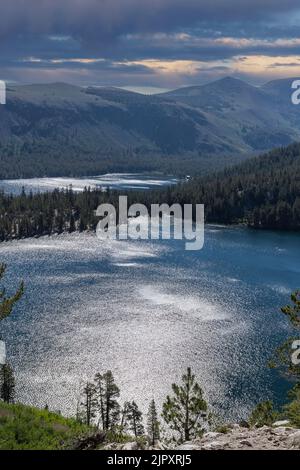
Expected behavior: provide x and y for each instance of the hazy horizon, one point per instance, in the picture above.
(149, 90)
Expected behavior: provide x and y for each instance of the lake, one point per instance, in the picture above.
(147, 310)
(120, 181)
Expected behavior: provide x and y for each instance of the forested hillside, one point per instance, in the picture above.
(64, 130)
(263, 193)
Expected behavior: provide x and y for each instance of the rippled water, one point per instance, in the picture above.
(147, 310)
(113, 180)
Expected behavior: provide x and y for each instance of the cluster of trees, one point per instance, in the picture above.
(29, 215)
(37, 160)
(185, 411)
(32, 160)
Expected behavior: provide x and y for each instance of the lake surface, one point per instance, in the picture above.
(112, 180)
(147, 310)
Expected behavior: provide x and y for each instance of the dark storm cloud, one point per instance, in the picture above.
(52, 39)
(91, 20)
(195, 47)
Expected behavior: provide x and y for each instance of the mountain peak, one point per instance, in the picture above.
(232, 83)
(229, 79)
(229, 84)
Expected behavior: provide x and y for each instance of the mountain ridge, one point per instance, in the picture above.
(65, 130)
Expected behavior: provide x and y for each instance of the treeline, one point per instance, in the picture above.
(39, 160)
(264, 193)
(30, 215)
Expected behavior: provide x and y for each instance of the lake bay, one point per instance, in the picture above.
(147, 310)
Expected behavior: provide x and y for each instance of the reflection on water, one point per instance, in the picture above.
(118, 181)
(147, 310)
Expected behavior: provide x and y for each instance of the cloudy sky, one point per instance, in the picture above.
(148, 43)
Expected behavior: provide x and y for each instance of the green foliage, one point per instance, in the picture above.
(186, 411)
(263, 415)
(223, 429)
(117, 435)
(23, 427)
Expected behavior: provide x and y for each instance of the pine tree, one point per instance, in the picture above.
(124, 415)
(72, 226)
(98, 379)
(7, 380)
(89, 404)
(7, 303)
(291, 363)
(283, 358)
(135, 419)
(293, 311)
(7, 383)
(185, 411)
(153, 423)
(263, 414)
(107, 393)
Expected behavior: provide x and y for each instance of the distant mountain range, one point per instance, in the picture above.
(61, 129)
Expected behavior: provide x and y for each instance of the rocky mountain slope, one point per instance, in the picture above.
(250, 118)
